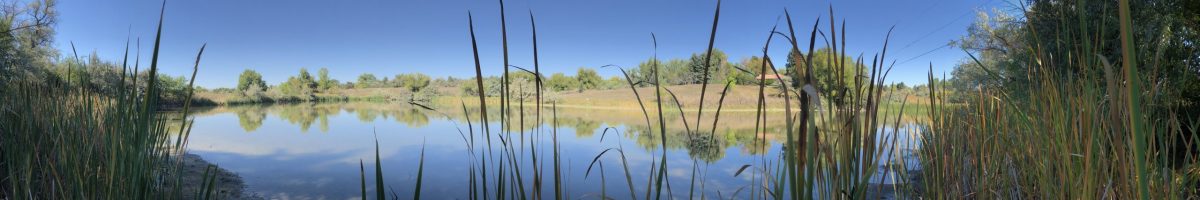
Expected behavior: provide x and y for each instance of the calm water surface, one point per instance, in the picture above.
(312, 151)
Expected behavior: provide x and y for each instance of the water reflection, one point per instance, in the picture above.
(272, 149)
(586, 123)
(251, 119)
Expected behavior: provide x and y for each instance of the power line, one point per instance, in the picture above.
(960, 17)
(926, 53)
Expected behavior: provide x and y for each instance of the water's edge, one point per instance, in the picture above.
(228, 184)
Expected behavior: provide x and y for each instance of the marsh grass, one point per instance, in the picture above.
(1058, 143)
(825, 168)
(810, 170)
(1089, 137)
(63, 141)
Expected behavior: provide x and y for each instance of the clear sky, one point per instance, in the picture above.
(278, 37)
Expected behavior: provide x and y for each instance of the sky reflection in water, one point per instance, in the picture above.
(312, 151)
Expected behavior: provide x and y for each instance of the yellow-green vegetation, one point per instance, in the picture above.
(1106, 122)
(831, 149)
(70, 137)
(738, 98)
(1052, 118)
(1071, 100)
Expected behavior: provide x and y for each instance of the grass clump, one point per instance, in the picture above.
(67, 141)
(1090, 132)
(1074, 128)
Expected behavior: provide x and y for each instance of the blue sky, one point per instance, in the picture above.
(277, 37)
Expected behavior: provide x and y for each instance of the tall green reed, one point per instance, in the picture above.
(1081, 135)
(838, 165)
(64, 141)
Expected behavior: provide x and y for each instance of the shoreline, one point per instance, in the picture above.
(229, 185)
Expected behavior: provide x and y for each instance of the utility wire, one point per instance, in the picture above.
(960, 17)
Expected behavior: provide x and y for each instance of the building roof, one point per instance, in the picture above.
(771, 76)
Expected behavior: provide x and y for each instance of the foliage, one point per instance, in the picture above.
(412, 82)
(740, 77)
(251, 82)
(173, 89)
(561, 82)
(1166, 34)
(468, 88)
(1066, 113)
(83, 138)
(988, 36)
(492, 86)
(837, 76)
(366, 80)
(716, 72)
(323, 81)
(521, 86)
(673, 72)
(691, 70)
(301, 85)
(614, 83)
(587, 79)
(27, 39)
(754, 64)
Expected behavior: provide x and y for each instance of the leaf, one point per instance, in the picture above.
(605, 132)
(597, 158)
(739, 171)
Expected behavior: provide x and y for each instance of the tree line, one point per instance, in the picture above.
(305, 86)
(1165, 40)
(677, 71)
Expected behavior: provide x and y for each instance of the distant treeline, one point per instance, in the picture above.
(677, 71)
(40, 64)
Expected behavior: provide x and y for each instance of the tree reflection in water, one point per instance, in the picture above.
(738, 130)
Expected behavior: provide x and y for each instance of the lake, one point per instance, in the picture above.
(313, 151)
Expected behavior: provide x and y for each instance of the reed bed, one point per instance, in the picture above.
(64, 141)
(831, 153)
(1089, 137)
(1073, 138)
(1097, 136)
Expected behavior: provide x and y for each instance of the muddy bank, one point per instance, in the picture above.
(228, 185)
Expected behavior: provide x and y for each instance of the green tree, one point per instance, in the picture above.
(754, 64)
(306, 80)
(301, 85)
(560, 82)
(413, 82)
(492, 86)
(987, 38)
(740, 77)
(521, 85)
(468, 88)
(794, 59)
(250, 81)
(586, 79)
(366, 80)
(26, 39)
(173, 89)
(644, 74)
(323, 80)
(672, 72)
(716, 72)
(833, 74)
(1165, 38)
(614, 82)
